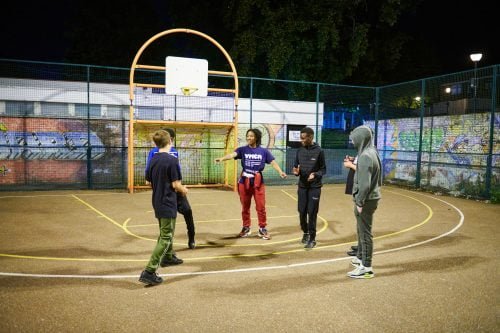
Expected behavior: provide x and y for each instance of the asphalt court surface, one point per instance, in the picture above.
(70, 260)
(94, 232)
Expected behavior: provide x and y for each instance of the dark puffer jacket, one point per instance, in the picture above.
(311, 159)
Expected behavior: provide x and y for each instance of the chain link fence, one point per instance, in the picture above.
(65, 126)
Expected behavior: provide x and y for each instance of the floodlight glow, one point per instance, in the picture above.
(476, 57)
(448, 90)
(417, 98)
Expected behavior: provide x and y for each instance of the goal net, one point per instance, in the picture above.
(204, 117)
(203, 131)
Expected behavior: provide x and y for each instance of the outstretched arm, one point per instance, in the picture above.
(227, 157)
(277, 168)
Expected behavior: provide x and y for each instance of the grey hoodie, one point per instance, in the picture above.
(368, 176)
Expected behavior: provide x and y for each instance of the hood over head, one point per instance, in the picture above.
(362, 137)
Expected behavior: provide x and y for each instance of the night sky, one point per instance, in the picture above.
(455, 29)
(451, 31)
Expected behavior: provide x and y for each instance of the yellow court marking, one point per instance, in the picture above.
(261, 243)
(213, 221)
(122, 227)
(98, 212)
(125, 228)
(301, 249)
(291, 196)
(427, 219)
(131, 233)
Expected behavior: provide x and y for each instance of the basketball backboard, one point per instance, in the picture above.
(186, 76)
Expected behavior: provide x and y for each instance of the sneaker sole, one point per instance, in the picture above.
(170, 264)
(149, 283)
(245, 235)
(265, 237)
(364, 276)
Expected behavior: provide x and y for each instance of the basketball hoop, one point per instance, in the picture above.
(188, 91)
(186, 76)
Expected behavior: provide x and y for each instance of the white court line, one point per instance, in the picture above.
(317, 262)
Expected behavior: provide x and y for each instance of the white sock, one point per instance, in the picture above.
(369, 269)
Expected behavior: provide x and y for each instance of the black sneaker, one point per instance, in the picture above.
(305, 238)
(352, 253)
(245, 232)
(310, 244)
(150, 279)
(354, 247)
(191, 242)
(171, 262)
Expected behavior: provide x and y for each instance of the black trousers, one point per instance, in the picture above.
(308, 206)
(184, 208)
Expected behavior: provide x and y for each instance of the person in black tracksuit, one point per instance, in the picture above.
(310, 167)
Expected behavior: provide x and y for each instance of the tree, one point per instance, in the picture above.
(322, 40)
(109, 33)
(334, 41)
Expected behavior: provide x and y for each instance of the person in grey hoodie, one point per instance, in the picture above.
(366, 196)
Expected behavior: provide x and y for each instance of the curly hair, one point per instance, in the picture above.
(258, 135)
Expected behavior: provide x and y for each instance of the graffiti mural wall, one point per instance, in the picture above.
(41, 150)
(454, 149)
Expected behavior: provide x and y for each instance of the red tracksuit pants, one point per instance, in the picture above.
(259, 194)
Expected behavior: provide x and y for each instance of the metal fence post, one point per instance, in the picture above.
(89, 146)
(418, 174)
(377, 98)
(251, 100)
(489, 160)
(317, 110)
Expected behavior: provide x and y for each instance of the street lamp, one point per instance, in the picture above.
(475, 57)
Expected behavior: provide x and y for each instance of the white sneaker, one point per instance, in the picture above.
(356, 262)
(264, 234)
(361, 273)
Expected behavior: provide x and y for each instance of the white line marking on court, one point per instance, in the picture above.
(252, 269)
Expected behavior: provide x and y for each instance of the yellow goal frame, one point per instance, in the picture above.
(232, 128)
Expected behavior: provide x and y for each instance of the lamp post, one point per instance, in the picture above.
(475, 57)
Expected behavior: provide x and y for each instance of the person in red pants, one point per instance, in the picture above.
(253, 158)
